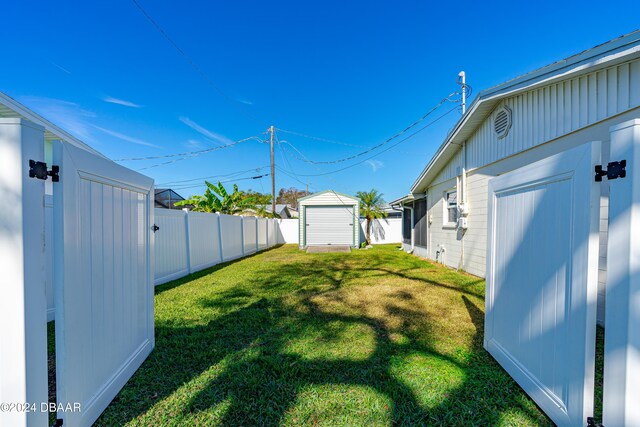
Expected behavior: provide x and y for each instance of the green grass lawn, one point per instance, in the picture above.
(369, 338)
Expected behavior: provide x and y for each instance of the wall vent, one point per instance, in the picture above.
(502, 122)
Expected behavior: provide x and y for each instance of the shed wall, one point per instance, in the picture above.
(329, 198)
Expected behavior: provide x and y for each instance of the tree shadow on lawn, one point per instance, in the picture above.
(255, 364)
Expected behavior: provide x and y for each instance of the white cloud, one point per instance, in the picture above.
(244, 101)
(194, 144)
(118, 101)
(216, 137)
(68, 115)
(126, 137)
(375, 164)
(61, 68)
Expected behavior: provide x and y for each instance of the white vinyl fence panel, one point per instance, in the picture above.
(249, 235)
(386, 230)
(262, 233)
(231, 231)
(204, 240)
(171, 253)
(288, 230)
(187, 242)
(272, 232)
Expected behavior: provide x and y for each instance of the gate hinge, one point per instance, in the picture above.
(155, 228)
(614, 170)
(591, 422)
(39, 170)
(59, 422)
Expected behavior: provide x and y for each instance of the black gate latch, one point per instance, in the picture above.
(155, 228)
(39, 170)
(614, 170)
(591, 422)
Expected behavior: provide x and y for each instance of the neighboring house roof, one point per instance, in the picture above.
(10, 108)
(281, 209)
(607, 54)
(166, 198)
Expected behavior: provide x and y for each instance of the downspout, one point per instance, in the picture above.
(463, 195)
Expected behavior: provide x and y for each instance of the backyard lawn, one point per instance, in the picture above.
(368, 338)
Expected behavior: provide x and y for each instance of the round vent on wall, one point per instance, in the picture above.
(502, 121)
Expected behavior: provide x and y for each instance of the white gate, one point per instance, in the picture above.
(542, 280)
(103, 279)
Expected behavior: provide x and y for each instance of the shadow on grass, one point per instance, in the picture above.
(238, 368)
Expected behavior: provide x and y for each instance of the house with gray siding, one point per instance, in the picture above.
(564, 105)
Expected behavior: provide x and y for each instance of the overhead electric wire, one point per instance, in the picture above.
(375, 147)
(385, 150)
(320, 139)
(227, 180)
(189, 153)
(193, 64)
(202, 178)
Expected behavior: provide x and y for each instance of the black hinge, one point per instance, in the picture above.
(59, 422)
(39, 170)
(155, 228)
(614, 170)
(591, 422)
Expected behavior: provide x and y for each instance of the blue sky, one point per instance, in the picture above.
(354, 73)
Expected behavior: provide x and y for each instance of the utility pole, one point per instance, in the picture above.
(462, 81)
(272, 130)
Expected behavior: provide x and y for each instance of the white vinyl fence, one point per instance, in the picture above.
(186, 242)
(387, 230)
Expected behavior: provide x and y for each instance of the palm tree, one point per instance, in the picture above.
(216, 198)
(371, 204)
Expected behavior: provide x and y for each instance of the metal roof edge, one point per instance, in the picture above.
(600, 55)
(326, 191)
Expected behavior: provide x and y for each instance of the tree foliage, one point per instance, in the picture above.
(290, 196)
(216, 198)
(371, 208)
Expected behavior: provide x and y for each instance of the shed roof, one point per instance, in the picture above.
(310, 196)
(619, 50)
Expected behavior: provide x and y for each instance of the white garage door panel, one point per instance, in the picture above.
(542, 280)
(329, 225)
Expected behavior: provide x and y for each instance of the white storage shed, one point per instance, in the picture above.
(329, 218)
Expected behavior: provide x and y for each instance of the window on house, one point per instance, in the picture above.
(451, 207)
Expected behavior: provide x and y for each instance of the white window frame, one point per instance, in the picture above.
(446, 207)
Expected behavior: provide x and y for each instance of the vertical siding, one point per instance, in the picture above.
(250, 230)
(539, 115)
(549, 112)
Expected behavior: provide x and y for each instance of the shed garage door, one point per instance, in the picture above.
(329, 225)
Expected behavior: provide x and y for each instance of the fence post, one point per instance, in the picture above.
(220, 237)
(622, 310)
(23, 307)
(257, 233)
(187, 233)
(242, 234)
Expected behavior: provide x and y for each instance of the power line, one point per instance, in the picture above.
(387, 149)
(331, 141)
(169, 183)
(375, 147)
(193, 64)
(188, 153)
(227, 180)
